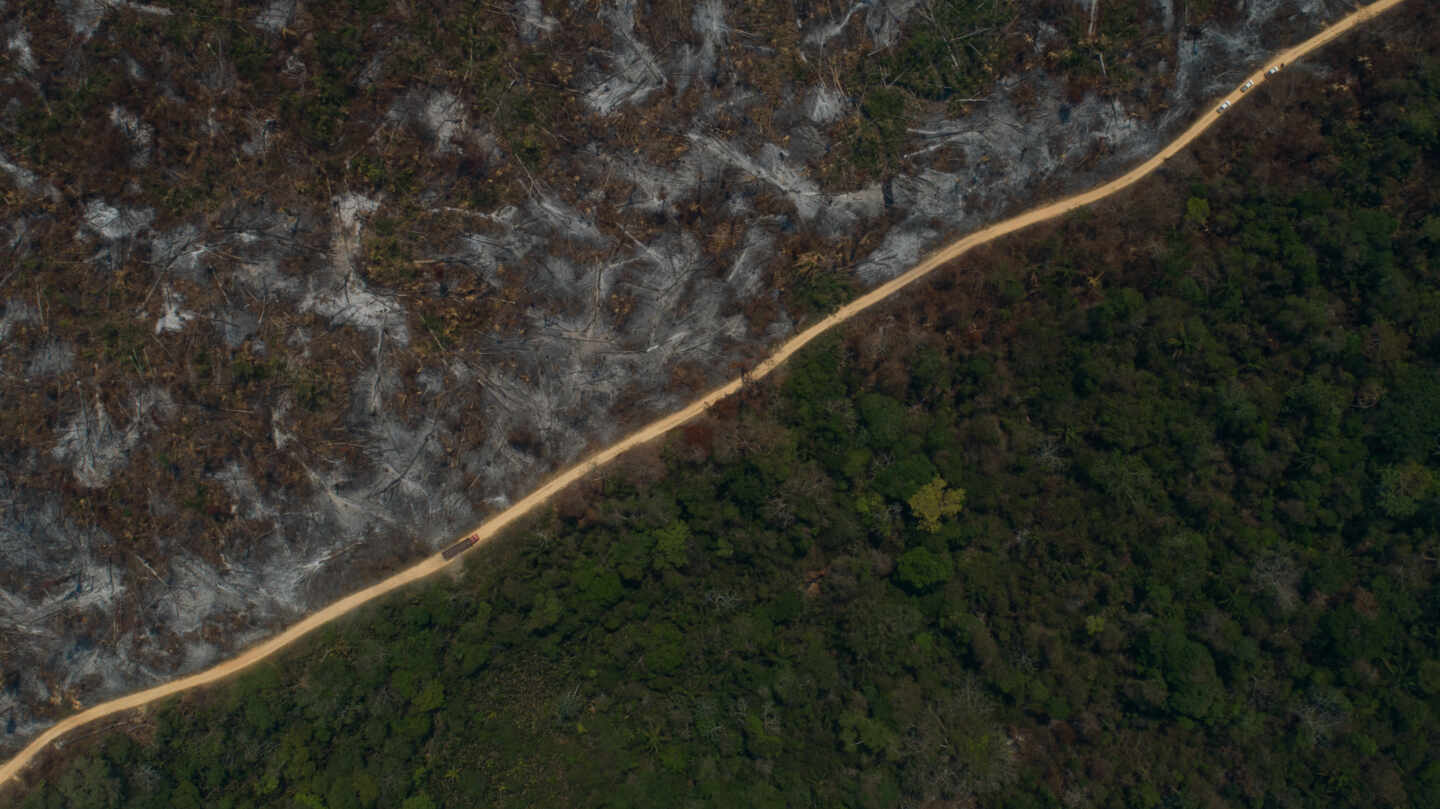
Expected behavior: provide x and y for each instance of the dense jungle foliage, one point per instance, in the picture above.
(1084, 523)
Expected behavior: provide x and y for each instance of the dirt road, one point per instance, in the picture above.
(255, 654)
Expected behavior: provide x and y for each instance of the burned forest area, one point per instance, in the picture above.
(296, 291)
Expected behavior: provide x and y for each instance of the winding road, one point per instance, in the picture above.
(494, 525)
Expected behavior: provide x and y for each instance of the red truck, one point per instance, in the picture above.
(460, 547)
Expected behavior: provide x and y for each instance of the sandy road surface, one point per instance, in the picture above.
(491, 527)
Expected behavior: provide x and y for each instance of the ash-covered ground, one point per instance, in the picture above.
(230, 399)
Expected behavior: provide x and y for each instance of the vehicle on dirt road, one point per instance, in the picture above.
(459, 547)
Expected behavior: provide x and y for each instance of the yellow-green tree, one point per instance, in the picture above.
(935, 502)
